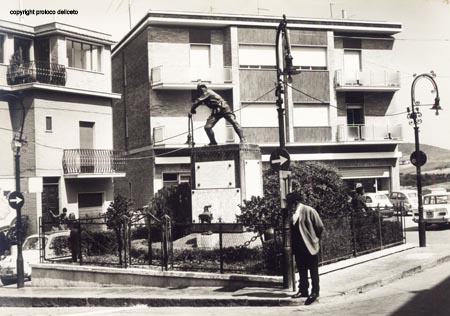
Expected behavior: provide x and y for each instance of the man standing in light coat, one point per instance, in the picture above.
(306, 231)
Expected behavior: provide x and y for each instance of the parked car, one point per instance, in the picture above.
(405, 200)
(7, 214)
(436, 209)
(57, 247)
(379, 202)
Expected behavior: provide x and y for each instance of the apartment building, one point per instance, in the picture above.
(335, 108)
(55, 81)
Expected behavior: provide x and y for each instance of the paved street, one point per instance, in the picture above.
(425, 293)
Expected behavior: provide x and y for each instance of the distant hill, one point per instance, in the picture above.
(438, 159)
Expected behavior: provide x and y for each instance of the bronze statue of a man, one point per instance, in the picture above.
(220, 109)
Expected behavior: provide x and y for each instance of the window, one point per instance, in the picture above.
(90, 199)
(259, 115)
(173, 179)
(200, 56)
(2, 52)
(22, 49)
(257, 57)
(310, 58)
(310, 115)
(86, 135)
(48, 124)
(83, 56)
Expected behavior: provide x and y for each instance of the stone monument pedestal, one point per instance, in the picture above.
(223, 176)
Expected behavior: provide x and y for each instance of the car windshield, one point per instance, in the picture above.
(437, 199)
(381, 197)
(32, 243)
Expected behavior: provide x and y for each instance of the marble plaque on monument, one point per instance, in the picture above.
(224, 204)
(215, 175)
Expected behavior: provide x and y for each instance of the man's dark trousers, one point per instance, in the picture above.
(305, 261)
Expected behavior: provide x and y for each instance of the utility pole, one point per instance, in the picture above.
(284, 75)
(16, 146)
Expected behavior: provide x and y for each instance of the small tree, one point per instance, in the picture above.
(119, 212)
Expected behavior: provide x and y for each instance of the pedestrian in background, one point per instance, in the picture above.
(74, 238)
(358, 201)
(306, 231)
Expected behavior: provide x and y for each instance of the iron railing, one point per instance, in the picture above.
(36, 71)
(98, 161)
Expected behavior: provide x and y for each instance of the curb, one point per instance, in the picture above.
(202, 300)
(381, 282)
(15, 301)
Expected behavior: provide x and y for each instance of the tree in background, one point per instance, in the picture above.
(319, 184)
(119, 213)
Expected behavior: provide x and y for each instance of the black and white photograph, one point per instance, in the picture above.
(206, 157)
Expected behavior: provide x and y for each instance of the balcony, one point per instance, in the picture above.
(367, 80)
(186, 78)
(93, 163)
(36, 71)
(350, 133)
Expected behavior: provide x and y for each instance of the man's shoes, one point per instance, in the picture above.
(212, 144)
(311, 299)
(300, 294)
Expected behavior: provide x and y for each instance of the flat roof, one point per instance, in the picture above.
(223, 20)
(55, 28)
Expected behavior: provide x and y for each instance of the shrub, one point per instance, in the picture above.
(319, 185)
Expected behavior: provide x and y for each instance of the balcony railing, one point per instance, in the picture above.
(367, 79)
(93, 161)
(36, 71)
(185, 76)
(355, 132)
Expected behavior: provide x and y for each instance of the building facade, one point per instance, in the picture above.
(335, 109)
(55, 84)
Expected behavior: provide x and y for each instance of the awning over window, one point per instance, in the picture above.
(364, 172)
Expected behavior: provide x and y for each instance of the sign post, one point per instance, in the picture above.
(16, 201)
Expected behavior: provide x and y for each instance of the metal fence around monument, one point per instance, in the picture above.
(151, 243)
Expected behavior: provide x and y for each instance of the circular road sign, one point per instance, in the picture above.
(280, 160)
(16, 200)
(418, 156)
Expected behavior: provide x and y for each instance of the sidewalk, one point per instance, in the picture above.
(349, 277)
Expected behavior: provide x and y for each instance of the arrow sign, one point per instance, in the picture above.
(280, 160)
(16, 200)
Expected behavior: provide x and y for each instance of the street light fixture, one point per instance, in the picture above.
(284, 75)
(16, 146)
(414, 116)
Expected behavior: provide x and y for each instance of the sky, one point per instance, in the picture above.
(422, 46)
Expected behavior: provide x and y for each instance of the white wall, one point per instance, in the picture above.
(66, 116)
(6, 136)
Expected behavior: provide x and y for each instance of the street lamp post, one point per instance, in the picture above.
(414, 116)
(16, 146)
(284, 75)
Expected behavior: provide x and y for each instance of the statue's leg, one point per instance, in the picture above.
(210, 122)
(231, 118)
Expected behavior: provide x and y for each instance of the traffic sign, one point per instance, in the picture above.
(418, 156)
(16, 200)
(280, 160)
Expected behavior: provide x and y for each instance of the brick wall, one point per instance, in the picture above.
(135, 98)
